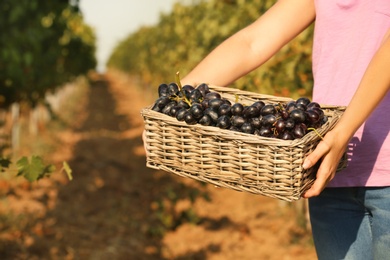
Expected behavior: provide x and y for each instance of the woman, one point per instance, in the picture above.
(350, 211)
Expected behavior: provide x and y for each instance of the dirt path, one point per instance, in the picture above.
(116, 208)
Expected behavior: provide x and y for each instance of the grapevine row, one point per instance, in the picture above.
(186, 35)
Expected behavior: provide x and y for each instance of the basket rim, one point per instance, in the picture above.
(239, 136)
(147, 112)
(255, 95)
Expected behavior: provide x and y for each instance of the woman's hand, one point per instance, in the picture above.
(330, 150)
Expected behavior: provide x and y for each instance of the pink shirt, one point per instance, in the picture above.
(347, 34)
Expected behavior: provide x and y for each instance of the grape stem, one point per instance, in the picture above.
(280, 106)
(178, 81)
(315, 130)
(236, 98)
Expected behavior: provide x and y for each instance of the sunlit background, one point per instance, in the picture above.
(115, 19)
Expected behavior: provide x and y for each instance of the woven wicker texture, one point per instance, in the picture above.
(238, 161)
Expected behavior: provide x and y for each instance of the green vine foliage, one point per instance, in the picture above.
(33, 168)
(43, 45)
(186, 35)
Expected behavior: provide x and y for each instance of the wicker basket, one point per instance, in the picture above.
(238, 161)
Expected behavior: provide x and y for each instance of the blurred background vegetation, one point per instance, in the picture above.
(44, 44)
(186, 35)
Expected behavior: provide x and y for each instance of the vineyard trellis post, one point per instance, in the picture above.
(15, 122)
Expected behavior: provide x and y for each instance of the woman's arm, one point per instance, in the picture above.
(373, 87)
(252, 46)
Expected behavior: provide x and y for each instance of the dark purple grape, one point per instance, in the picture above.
(226, 101)
(298, 116)
(290, 106)
(259, 105)
(284, 114)
(212, 113)
(183, 104)
(303, 100)
(224, 110)
(189, 118)
(280, 125)
(174, 110)
(181, 114)
(224, 122)
(268, 110)
(156, 107)
(251, 111)
(195, 95)
(312, 116)
(196, 110)
(212, 95)
(173, 89)
(290, 124)
(265, 131)
(237, 121)
(215, 103)
(237, 109)
(205, 103)
(256, 122)
(167, 109)
(313, 105)
(163, 90)
(286, 135)
(298, 131)
(205, 120)
(188, 88)
(204, 89)
(304, 127)
(301, 107)
(161, 102)
(186, 94)
(269, 120)
(319, 111)
(247, 128)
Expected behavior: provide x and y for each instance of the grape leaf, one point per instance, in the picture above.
(33, 169)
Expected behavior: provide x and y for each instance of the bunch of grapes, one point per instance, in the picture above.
(199, 105)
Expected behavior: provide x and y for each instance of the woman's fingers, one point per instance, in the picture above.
(321, 149)
(325, 171)
(322, 179)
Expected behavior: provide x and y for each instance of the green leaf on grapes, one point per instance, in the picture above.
(33, 169)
